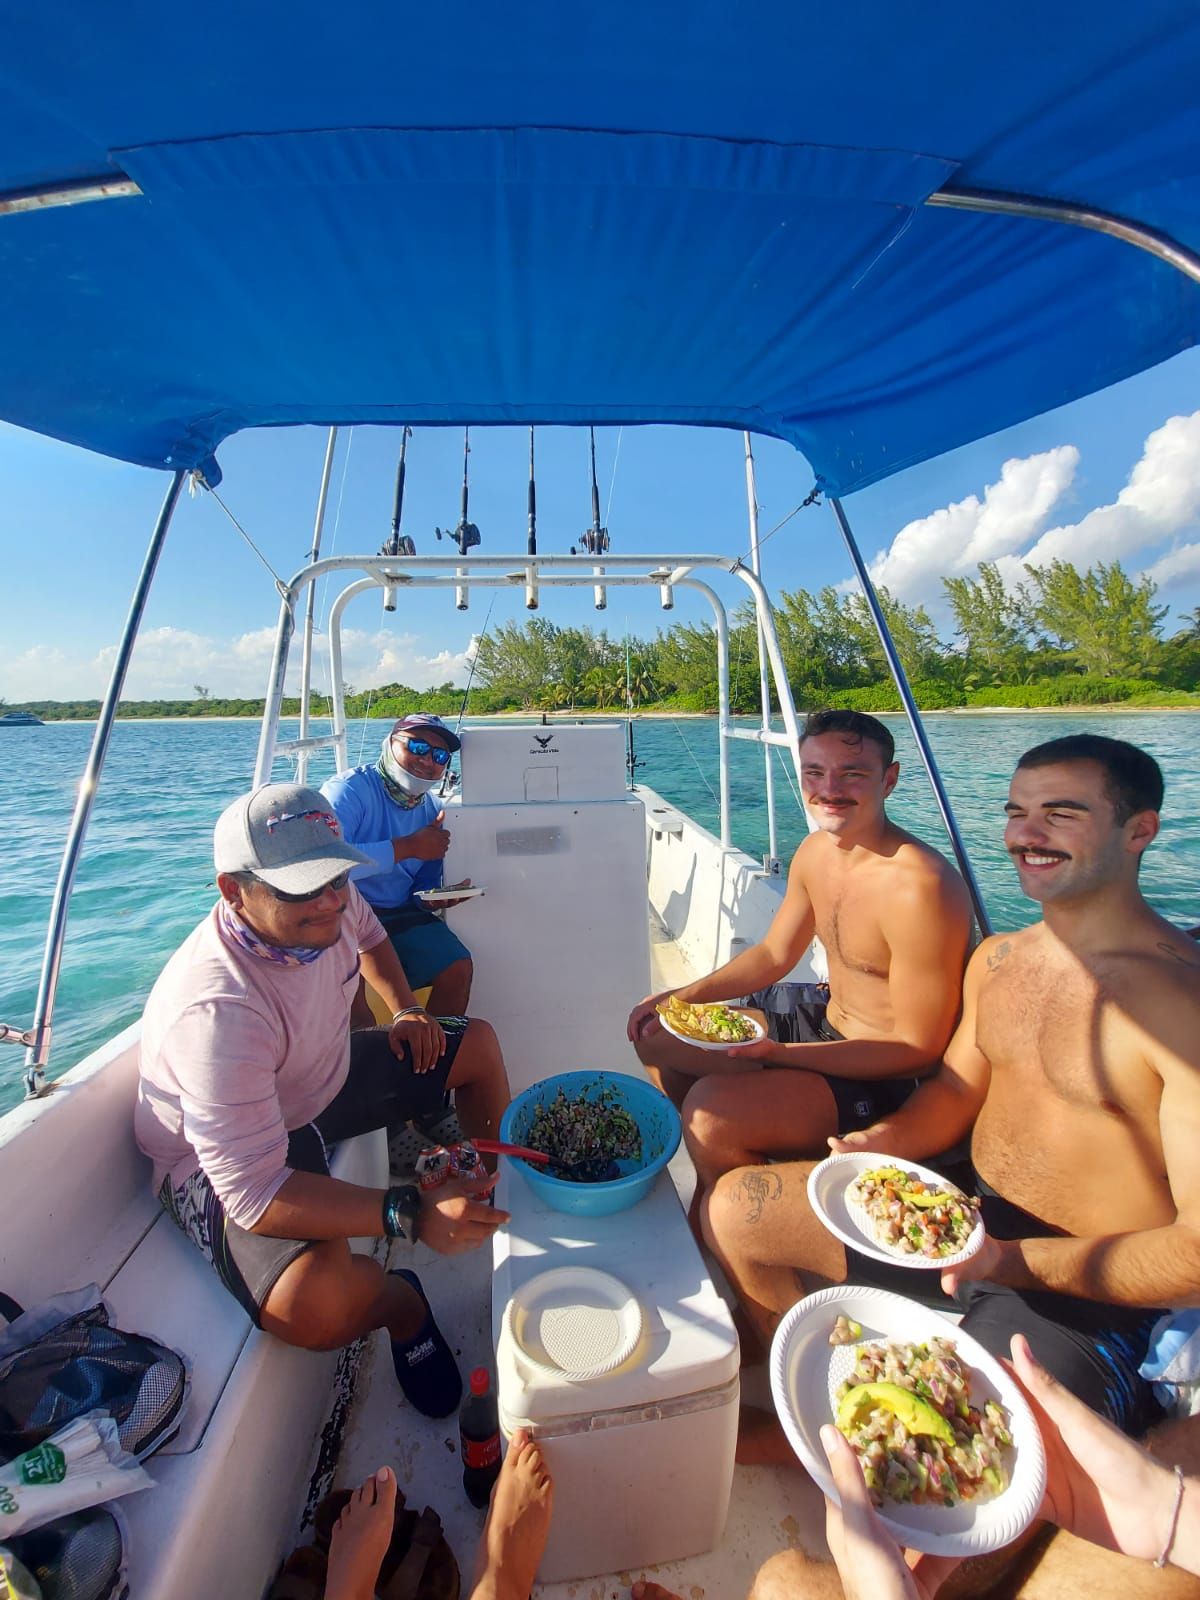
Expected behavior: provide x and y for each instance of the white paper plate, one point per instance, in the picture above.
(718, 1044)
(435, 897)
(806, 1371)
(575, 1322)
(829, 1194)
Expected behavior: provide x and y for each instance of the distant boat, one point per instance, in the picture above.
(20, 719)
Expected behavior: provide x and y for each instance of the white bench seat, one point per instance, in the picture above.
(76, 1197)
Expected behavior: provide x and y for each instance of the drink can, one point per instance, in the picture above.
(433, 1167)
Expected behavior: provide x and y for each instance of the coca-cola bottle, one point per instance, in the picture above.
(479, 1431)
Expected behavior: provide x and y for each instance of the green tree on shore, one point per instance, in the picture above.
(1104, 619)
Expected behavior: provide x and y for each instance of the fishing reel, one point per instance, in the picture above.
(466, 536)
(400, 546)
(594, 541)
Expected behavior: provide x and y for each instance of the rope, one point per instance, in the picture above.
(704, 775)
(366, 716)
(612, 483)
(812, 498)
(279, 583)
(787, 772)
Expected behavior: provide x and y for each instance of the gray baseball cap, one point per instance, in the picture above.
(286, 835)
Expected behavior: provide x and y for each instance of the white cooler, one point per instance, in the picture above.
(642, 1457)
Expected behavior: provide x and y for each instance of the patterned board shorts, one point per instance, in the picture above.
(381, 1091)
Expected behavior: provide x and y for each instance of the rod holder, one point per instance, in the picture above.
(600, 593)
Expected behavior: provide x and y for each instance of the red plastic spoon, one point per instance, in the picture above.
(493, 1147)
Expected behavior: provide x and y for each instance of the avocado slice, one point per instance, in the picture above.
(929, 1199)
(916, 1415)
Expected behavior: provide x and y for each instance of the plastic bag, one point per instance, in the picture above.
(82, 1465)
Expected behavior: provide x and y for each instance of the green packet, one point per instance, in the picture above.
(81, 1465)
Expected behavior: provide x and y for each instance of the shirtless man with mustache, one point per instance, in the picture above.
(894, 919)
(1076, 1072)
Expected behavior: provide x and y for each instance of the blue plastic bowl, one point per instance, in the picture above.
(653, 1113)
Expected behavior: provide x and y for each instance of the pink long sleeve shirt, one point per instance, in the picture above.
(237, 1051)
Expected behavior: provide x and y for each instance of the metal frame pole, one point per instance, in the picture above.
(306, 656)
(38, 1055)
(914, 720)
(997, 203)
(764, 688)
(269, 732)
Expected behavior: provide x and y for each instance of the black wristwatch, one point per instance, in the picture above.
(401, 1208)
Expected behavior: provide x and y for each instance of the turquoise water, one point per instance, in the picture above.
(146, 874)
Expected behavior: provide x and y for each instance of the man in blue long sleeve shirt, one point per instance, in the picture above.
(388, 811)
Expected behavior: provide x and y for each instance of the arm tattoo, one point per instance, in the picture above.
(756, 1187)
(999, 954)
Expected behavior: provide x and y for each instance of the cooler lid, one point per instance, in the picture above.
(686, 1344)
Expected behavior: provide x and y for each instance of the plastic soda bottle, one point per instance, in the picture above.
(479, 1431)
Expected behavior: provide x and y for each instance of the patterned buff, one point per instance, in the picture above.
(241, 934)
(388, 767)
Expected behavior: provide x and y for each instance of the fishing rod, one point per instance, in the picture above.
(466, 535)
(398, 544)
(531, 594)
(595, 539)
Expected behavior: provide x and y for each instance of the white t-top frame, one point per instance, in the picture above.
(393, 574)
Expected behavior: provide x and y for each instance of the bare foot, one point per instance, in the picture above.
(518, 1522)
(761, 1442)
(360, 1539)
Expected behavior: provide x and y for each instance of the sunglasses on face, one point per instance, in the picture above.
(340, 882)
(427, 751)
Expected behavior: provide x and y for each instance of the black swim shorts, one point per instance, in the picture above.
(381, 1091)
(795, 1014)
(1094, 1350)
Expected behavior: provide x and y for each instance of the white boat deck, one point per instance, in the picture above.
(771, 1509)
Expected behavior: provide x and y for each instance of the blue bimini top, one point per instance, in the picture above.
(684, 212)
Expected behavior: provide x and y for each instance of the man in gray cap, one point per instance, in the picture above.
(249, 1070)
(390, 812)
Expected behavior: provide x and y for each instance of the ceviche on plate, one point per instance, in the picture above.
(914, 1217)
(716, 1026)
(907, 1411)
(895, 1211)
(947, 1441)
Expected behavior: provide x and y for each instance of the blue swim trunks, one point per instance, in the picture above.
(423, 942)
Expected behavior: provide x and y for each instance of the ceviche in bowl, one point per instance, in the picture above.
(714, 1026)
(895, 1211)
(948, 1445)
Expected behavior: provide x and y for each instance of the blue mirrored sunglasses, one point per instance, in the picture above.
(428, 752)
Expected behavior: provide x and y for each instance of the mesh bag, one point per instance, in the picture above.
(77, 1557)
(51, 1374)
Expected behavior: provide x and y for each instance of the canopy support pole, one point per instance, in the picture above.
(914, 720)
(306, 654)
(38, 1055)
(764, 689)
(1138, 234)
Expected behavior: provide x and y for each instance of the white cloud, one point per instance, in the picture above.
(168, 663)
(1176, 568)
(958, 537)
(1160, 501)
(1161, 497)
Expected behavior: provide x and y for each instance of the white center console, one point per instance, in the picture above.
(560, 940)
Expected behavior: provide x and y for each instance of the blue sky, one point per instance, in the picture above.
(1114, 476)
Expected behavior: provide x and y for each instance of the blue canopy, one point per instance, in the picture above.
(635, 211)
